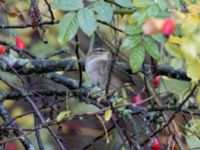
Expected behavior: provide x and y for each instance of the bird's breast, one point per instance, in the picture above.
(94, 69)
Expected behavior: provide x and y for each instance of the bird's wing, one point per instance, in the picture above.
(121, 73)
(117, 71)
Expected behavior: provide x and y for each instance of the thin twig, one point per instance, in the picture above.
(37, 133)
(18, 131)
(79, 64)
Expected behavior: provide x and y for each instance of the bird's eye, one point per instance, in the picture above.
(99, 50)
(102, 50)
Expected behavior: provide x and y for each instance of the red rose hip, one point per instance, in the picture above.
(155, 145)
(137, 99)
(156, 81)
(20, 43)
(11, 146)
(168, 26)
(2, 50)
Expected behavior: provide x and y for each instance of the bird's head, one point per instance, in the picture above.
(100, 53)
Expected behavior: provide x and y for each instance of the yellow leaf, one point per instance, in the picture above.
(17, 111)
(180, 16)
(62, 115)
(108, 114)
(189, 49)
(194, 8)
(189, 26)
(24, 123)
(8, 103)
(174, 49)
(128, 17)
(104, 127)
(198, 96)
(4, 86)
(193, 70)
(174, 39)
(194, 17)
(60, 72)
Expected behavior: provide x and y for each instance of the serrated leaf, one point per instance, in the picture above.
(104, 11)
(177, 3)
(124, 3)
(62, 115)
(137, 57)
(159, 38)
(164, 14)
(107, 115)
(153, 10)
(67, 27)
(140, 15)
(130, 42)
(151, 47)
(87, 21)
(133, 29)
(162, 4)
(67, 5)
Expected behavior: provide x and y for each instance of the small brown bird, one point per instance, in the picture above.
(97, 67)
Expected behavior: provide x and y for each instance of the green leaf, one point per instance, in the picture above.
(192, 133)
(153, 10)
(159, 38)
(193, 1)
(137, 57)
(67, 27)
(162, 4)
(124, 3)
(193, 142)
(62, 115)
(143, 3)
(140, 15)
(194, 126)
(40, 49)
(177, 3)
(164, 14)
(130, 42)
(151, 47)
(68, 5)
(104, 11)
(87, 21)
(133, 29)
